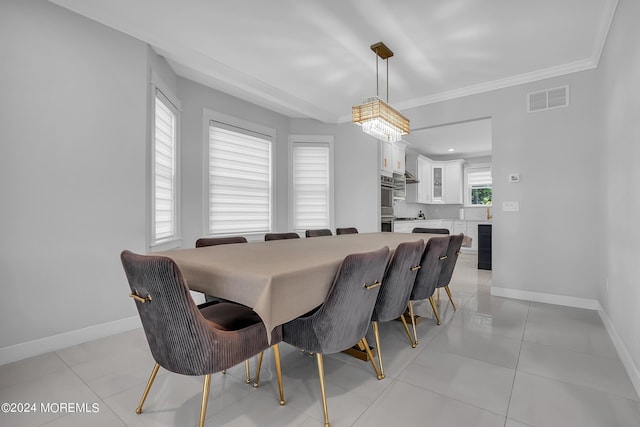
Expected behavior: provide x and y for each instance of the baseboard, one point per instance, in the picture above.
(567, 301)
(28, 349)
(623, 353)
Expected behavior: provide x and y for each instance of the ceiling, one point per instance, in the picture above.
(467, 139)
(311, 58)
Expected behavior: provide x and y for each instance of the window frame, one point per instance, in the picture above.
(250, 128)
(312, 140)
(467, 187)
(159, 90)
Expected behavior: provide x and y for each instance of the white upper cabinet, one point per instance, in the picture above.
(453, 180)
(398, 157)
(386, 158)
(420, 167)
(441, 182)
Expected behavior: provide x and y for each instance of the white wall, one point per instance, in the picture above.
(620, 68)
(72, 169)
(551, 245)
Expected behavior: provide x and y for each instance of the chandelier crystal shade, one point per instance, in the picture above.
(377, 117)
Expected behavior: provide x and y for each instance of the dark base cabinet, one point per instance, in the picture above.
(484, 246)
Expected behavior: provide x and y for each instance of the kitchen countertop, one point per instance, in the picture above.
(441, 219)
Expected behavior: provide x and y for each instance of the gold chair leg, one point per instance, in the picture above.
(258, 367)
(446, 288)
(205, 399)
(413, 322)
(147, 388)
(276, 357)
(365, 344)
(322, 389)
(247, 374)
(406, 329)
(376, 334)
(435, 310)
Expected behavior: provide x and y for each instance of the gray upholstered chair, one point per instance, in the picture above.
(395, 290)
(280, 236)
(431, 230)
(343, 319)
(318, 233)
(427, 278)
(215, 241)
(453, 250)
(346, 230)
(187, 339)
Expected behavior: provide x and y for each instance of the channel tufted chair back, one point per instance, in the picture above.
(435, 253)
(280, 236)
(187, 339)
(215, 241)
(346, 230)
(396, 289)
(343, 319)
(453, 250)
(318, 233)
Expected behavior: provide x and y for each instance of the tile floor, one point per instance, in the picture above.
(493, 362)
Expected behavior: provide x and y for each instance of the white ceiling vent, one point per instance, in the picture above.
(548, 99)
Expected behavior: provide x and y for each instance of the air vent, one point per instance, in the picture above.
(548, 99)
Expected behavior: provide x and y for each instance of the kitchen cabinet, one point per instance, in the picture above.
(392, 158)
(386, 158)
(453, 182)
(420, 167)
(441, 182)
(437, 179)
(466, 227)
(398, 157)
(484, 247)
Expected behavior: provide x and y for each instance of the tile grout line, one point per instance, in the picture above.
(515, 372)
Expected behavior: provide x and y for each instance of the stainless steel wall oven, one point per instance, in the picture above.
(386, 203)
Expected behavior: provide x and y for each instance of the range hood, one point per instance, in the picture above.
(410, 179)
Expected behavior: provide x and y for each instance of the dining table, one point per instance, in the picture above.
(279, 279)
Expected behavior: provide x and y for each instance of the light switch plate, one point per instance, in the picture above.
(514, 177)
(510, 206)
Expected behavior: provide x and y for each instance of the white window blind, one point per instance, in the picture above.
(239, 181)
(164, 175)
(479, 177)
(311, 186)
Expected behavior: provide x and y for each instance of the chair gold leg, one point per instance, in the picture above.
(247, 374)
(438, 297)
(147, 388)
(365, 344)
(258, 367)
(435, 310)
(205, 399)
(376, 334)
(413, 322)
(322, 389)
(276, 357)
(406, 329)
(446, 288)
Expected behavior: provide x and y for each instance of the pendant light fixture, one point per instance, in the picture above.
(376, 116)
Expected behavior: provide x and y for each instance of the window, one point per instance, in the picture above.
(311, 182)
(240, 180)
(164, 175)
(478, 186)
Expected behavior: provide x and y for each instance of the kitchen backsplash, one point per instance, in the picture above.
(401, 209)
